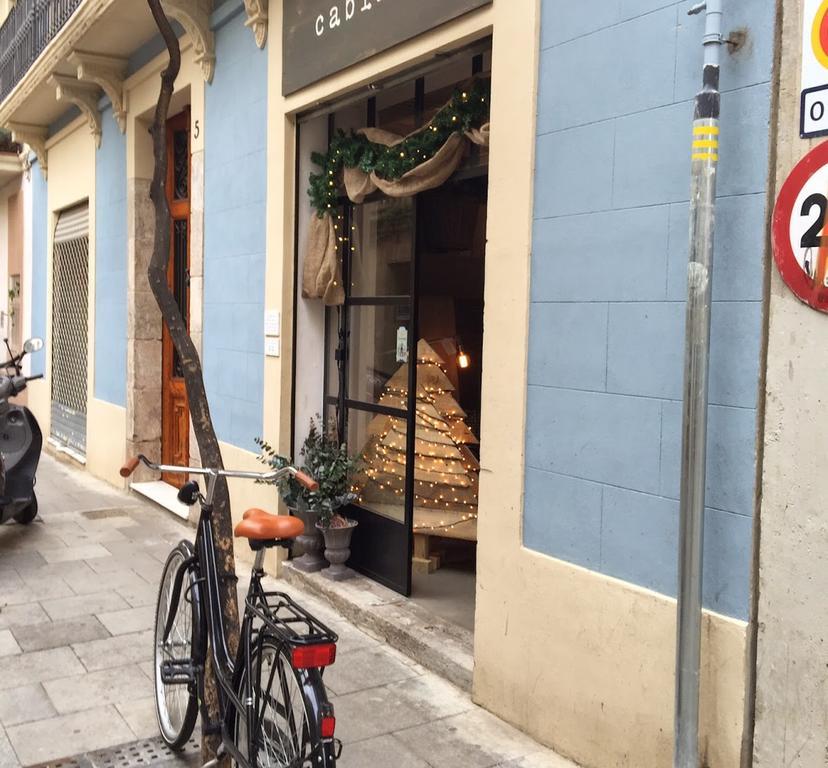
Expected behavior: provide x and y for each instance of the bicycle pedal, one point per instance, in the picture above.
(177, 672)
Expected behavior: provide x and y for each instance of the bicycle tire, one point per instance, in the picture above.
(175, 730)
(307, 690)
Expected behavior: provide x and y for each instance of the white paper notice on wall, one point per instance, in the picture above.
(402, 344)
(273, 322)
(273, 346)
(813, 119)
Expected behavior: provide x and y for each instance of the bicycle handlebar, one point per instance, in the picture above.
(303, 479)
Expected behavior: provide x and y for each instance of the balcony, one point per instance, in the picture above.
(27, 30)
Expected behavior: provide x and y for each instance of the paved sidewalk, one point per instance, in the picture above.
(77, 595)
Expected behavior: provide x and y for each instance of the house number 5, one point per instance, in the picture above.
(197, 130)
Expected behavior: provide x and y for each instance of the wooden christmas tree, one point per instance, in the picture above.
(445, 470)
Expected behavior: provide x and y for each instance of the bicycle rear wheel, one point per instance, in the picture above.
(288, 724)
(176, 702)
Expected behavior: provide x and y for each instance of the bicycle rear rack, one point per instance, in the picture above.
(283, 615)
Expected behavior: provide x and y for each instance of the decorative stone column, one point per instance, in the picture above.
(143, 332)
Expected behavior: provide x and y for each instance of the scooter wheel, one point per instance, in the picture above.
(27, 514)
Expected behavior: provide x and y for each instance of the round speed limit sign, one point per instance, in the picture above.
(800, 234)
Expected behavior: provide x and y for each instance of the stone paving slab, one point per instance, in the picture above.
(37, 667)
(116, 651)
(54, 634)
(24, 705)
(108, 686)
(56, 737)
(77, 601)
(8, 645)
(20, 615)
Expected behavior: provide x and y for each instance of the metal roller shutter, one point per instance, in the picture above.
(70, 299)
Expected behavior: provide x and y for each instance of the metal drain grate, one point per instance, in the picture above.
(138, 753)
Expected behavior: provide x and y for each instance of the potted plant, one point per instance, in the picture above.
(328, 462)
(296, 499)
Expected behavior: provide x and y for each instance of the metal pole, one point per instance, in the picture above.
(705, 156)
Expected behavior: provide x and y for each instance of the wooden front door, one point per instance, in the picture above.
(175, 414)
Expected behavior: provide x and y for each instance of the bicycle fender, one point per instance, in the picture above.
(316, 698)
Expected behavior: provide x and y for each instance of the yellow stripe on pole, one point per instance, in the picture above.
(706, 130)
(706, 144)
(705, 156)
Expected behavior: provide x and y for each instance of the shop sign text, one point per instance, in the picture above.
(322, 37)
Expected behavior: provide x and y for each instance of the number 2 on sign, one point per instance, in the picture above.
(812, 237)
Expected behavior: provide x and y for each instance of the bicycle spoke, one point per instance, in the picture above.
(174, 701)
(281, 717)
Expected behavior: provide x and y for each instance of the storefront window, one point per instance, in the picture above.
(382, 248)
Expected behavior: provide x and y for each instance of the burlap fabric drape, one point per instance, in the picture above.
(322, 275)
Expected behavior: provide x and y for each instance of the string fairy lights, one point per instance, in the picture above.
(445, 470)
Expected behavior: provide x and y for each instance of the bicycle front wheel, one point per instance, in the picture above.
(286, 722)
(176, 703)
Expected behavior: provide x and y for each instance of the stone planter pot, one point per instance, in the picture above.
(311, 542)
(338, 550)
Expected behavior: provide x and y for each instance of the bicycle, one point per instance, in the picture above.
(274, 710)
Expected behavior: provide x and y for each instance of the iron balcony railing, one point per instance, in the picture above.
(27, 30)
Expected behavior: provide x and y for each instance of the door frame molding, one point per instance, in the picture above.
(179, 209)
(144, 325)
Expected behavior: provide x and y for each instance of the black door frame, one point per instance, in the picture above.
(383, 548)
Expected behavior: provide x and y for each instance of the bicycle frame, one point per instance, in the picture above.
(204, 592)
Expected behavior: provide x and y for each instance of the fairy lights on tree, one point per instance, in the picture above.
(445, 470)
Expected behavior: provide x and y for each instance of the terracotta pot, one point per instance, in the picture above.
(311, 541)
(338, 550)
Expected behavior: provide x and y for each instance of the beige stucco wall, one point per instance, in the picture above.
(71, 154)
(106, 430)
(792, 668)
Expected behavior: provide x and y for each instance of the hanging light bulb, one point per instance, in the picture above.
(463, 359)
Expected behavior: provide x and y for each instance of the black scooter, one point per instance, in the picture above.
(20, 441)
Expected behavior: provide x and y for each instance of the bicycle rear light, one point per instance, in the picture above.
(313, 656)
(328, 727)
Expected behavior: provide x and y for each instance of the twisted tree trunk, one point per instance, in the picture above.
(191, 364)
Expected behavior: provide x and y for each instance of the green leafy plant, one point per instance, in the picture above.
(325, 459)
(468, 108)
(294, 495)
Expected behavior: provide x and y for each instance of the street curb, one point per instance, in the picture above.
(441, 647)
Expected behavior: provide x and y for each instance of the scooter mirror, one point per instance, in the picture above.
(32, 345)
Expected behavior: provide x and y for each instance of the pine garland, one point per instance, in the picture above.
(467, 109)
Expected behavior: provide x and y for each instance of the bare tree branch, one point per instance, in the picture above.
(191, 364)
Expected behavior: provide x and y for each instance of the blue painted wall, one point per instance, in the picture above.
(111, 264)
(615, 109)
(234, 234)
(40, 264)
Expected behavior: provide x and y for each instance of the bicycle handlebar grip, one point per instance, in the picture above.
(35, 377)
(306, 480)
(130, 466)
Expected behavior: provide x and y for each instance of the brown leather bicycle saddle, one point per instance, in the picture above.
(258, 525)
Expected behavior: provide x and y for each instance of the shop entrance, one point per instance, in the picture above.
(403, 358)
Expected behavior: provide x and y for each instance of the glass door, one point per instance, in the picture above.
(369, 382)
